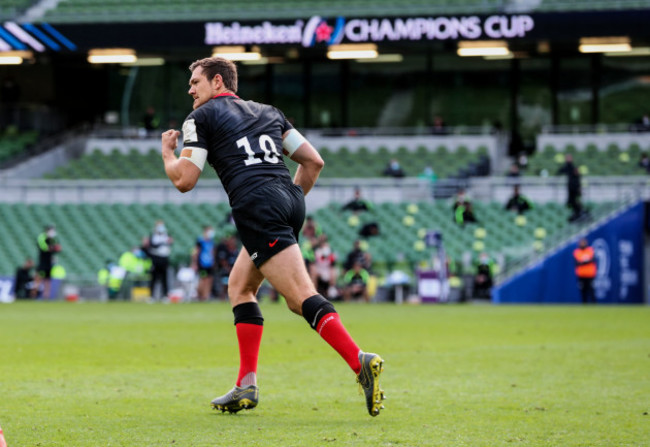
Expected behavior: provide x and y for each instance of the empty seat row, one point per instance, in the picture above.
(340, 163)
(614, 160)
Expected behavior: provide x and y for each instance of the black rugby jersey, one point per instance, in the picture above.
(243, 140)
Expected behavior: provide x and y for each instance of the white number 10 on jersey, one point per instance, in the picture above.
(266, 144)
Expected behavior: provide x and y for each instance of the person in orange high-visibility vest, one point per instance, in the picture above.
(3, 443)
(586, 269)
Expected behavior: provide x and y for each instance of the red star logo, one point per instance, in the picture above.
(323, 32)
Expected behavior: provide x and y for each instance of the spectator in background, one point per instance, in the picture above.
(439, 126)
(227, 252)
(518, 202)
(645, 122)
(393, 169)
(369, 229)
(150, 121)
(460, 199)
(325, 273)
(24, 281)
(311, 229)
(644, 162)
(136, 263)
(112, 277)
(574, 188)
(357, 255)
(307, 252)
(187, 281)
(522, 161)
(355, 283)
(428, 174)
(203, 261)
(158, 248)
(513, 171)
(516, 144)
(465, 214)
(483, 279)
(357, 204)
(311, 232)
(586, 270)
(463, 210)
(47, 247)
(642, 124)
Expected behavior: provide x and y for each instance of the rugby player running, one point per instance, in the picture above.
(244, 142)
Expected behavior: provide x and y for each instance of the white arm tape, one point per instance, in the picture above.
(194, 155)
(293, 141)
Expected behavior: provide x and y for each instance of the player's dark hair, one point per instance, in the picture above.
(213, 66)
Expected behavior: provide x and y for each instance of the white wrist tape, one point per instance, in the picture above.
(293, 141)
(194, 155)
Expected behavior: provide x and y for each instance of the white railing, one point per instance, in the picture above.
(594, 128)
(135, 132)
(541, 190)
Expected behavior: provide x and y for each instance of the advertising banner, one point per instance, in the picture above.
(7, 294)
(317, 31)
(6, 289)
(618, 247)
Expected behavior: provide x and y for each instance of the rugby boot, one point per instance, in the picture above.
(371, 366)
(239, 398)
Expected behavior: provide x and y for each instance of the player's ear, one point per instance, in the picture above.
(217, 81)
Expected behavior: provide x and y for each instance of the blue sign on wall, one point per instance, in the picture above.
(618, 246)
(6, 289)
(28, 36)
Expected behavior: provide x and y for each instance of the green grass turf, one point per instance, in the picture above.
(126, 374)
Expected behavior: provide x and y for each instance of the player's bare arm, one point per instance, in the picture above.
(181, 171)
(309, 160)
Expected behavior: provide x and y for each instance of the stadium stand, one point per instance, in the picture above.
(11, 8)
(14, 143)
(615, 160)
(78, 11)
(341, 163)
(92, 233)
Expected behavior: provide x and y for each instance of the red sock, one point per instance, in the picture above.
(333, 332)
(249, 337)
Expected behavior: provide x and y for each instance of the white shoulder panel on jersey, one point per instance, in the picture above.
(189, 132)
(195, 155)
(293, 141)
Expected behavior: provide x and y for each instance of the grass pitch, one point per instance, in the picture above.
(126, 374)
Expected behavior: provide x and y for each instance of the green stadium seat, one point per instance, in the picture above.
(342, 163)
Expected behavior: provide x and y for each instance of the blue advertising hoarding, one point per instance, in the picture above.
(618, 247)
(7, 289)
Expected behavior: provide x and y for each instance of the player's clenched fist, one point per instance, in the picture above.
(170, 139)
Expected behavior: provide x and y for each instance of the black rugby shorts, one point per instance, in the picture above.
(44, 270)
(270, 219)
